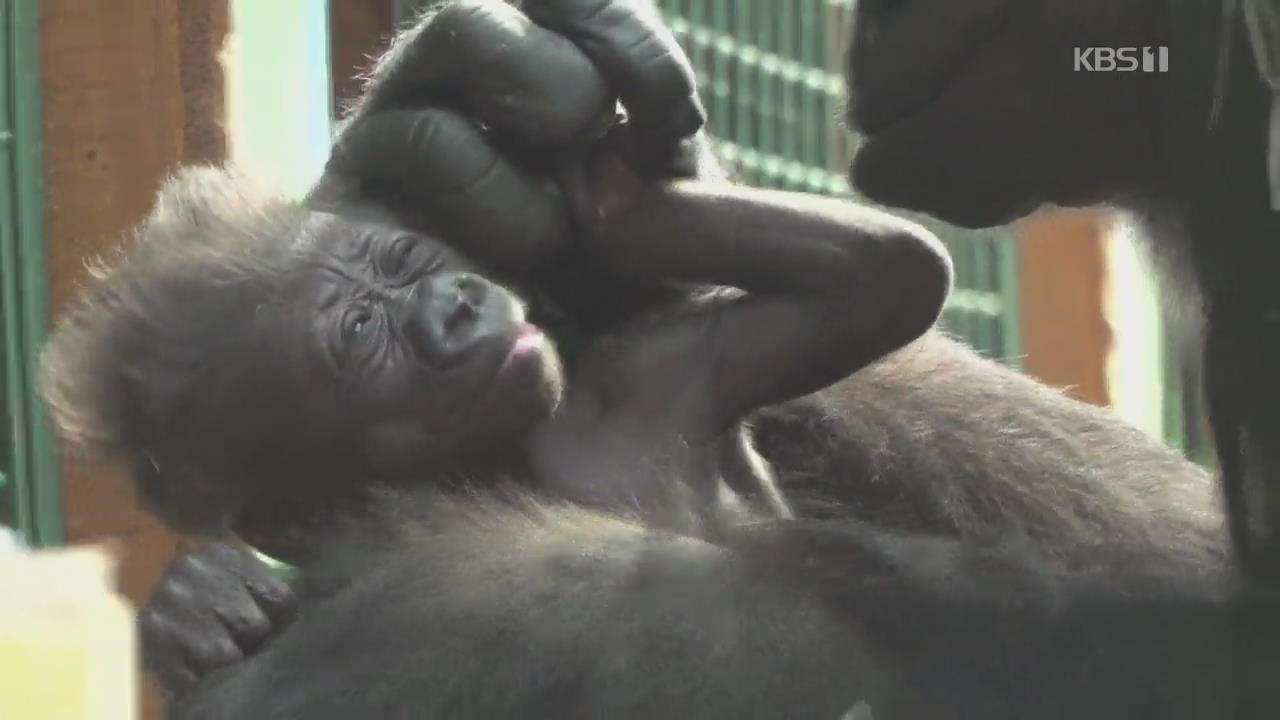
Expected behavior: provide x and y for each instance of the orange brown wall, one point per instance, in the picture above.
(132, 88)
(358, 31)
(1066, 338)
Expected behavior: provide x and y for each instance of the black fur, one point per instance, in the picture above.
(943, 502)
(968, 543)
(992, 121)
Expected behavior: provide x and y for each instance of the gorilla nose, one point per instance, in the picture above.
(443, 331)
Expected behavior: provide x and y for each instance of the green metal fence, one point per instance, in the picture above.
(1186, 422)
(770, 77)
(30, 497)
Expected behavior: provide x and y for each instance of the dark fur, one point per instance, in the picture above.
(970, 544)
(162, 348)
(175, 362)
(509, 608)
(539, 611)
(992, 122)
(944, 476)
(931, 439)
(936, 439)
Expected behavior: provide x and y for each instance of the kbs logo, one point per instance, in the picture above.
(1125, 59)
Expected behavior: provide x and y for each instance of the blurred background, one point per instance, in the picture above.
(101, 99)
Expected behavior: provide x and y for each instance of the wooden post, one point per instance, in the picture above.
(132, 89)
(358, 32)
(1065, 334)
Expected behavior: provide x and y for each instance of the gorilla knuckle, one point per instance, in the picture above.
(153, 622)
(466, 20)
(215, 651)
(221, 556)
(247, 624)
(192, 566)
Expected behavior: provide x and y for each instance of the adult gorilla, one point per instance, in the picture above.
(974, 112)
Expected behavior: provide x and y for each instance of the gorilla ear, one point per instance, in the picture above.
(394, 447)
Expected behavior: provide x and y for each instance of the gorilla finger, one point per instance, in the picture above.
(207, 566)
(275, 596)
(525, 82)
(213, 650)
(245, 620)
(223, 557)
(235, 586)
(435, 162)
(267, 590)
(169, 646)
(639, 57)
(685, 158)
(176, 677)
(160, 633)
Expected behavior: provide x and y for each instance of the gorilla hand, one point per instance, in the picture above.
(473, 114)
(212, 608)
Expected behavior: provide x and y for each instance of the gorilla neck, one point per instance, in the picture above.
(295, 527)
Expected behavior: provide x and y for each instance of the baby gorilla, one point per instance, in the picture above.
(249, 354)
(247, 349)
(979, 519)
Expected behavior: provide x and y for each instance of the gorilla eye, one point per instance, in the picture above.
(356, 324)
(396, 259)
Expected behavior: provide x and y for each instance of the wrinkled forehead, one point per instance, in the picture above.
(341, 253)
(351, 238)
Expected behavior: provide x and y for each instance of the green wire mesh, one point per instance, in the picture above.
(771, 80)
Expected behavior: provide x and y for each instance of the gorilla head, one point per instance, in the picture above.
(975, 110)
(245, 346)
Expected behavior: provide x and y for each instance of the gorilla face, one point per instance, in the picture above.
(408, 345)
(246, 351)
(974, 111)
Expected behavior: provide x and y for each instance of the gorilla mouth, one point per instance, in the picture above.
(894, 77)
(879, 123)
(884, 113)
(529, 340)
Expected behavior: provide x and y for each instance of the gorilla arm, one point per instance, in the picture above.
(469, 117)
(476, 116)
(496, 612)
(1002, 628)
(830, 286)
(815, 277)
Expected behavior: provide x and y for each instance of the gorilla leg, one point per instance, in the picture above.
(545, 612)
(935, 439)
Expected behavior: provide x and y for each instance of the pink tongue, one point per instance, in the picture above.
(528, 338)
